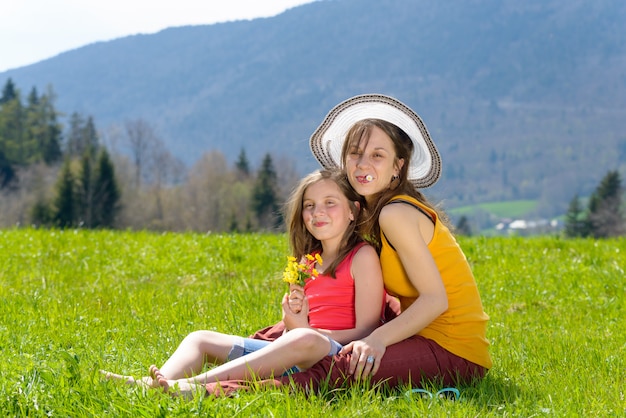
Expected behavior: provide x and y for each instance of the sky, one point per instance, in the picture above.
(33, 30)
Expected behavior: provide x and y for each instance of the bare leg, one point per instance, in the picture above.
(302, 347)
(197, 349)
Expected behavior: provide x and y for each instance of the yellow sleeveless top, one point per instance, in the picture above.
(462, 328)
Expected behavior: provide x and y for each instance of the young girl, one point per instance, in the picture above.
(340, 304)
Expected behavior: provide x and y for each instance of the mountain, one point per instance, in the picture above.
(524, 99)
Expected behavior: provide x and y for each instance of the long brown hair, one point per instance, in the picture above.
(358, 136)
(301, 241)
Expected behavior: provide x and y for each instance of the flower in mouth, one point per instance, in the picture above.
(369, 177)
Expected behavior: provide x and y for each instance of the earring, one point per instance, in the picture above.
(394, 182)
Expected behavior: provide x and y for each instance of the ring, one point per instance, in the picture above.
(370, 359)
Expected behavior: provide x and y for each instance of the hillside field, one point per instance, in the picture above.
(76, 301)
(515, 209)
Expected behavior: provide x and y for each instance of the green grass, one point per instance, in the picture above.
(73, 302)
(513, 210)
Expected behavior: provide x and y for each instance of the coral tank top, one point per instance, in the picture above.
(331, 301)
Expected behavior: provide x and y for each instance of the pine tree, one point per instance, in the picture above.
(12, 126)
(72, 145)
(242, 165)
(90, 137)
(43, 132)
(50, 144)
(265, 195)
(84, 192)
(233, 224)
(9, 92)
(463, 226)
(82, 137)
(34, 127)
(575, 220)
(606, 218)
(64, 213)
(41, 214)
(33, 98)
(576, 224)
(107, 194)
(7, 173)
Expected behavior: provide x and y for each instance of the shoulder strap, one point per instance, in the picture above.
(408, 202)
(428, 215)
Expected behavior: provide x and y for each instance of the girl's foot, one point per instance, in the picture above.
(155, 374)
(147, 381)
(174, 387)
(178, 388)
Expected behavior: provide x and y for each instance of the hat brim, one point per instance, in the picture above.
(327, 140)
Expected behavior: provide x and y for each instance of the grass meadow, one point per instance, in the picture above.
(511, 209)
(73, 302)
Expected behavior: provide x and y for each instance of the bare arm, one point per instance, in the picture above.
(369, 289)
(409, 231)
(403, 225)
(368, 296)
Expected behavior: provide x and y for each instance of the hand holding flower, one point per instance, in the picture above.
(295, 319)
(296, 297)
(296, 274)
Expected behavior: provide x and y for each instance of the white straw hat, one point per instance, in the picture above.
(327, 140)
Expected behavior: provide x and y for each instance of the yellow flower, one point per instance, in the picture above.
(298, 273)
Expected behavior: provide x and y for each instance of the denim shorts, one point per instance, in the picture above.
(243, 346)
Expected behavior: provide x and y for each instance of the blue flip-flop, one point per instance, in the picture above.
(445, 393)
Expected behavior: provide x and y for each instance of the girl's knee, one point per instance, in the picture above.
(305, 338)
(203, 338)
(214, 345)
(198, 335)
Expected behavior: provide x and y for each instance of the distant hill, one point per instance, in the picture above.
(525, 99)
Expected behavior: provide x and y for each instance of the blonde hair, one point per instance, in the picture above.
(301, 241)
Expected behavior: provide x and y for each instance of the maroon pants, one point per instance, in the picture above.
(409, 362)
